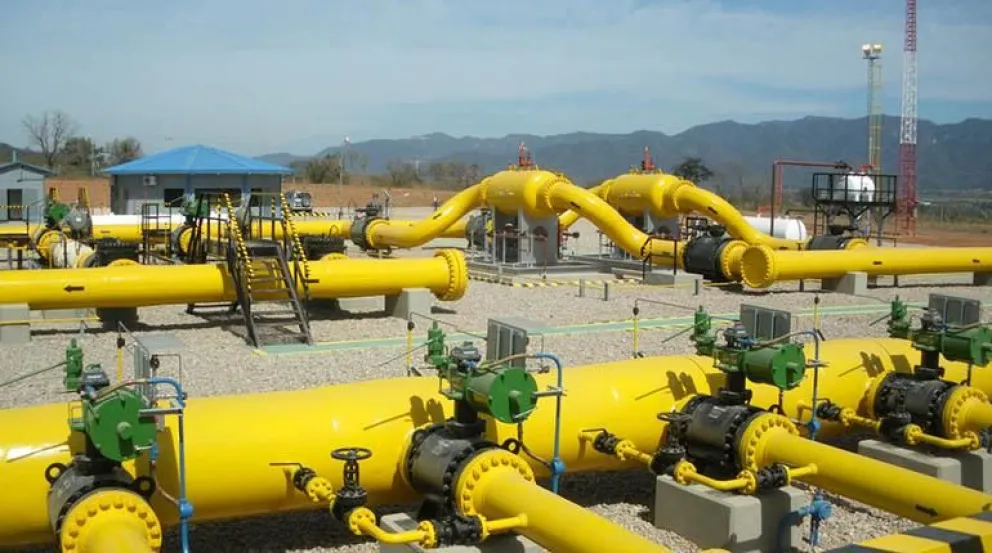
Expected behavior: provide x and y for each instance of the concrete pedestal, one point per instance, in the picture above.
(112, 317)
(737, 523)
(374, 303)
(982, 279)
(20, 332)
(408, 302)
(508, 543)
(661, 277)
(972, 469)
(855, 283)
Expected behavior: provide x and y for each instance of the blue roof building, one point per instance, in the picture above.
(166, 177)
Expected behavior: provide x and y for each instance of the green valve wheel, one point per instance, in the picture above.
(506, 394)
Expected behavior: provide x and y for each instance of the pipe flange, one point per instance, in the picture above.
(755, 432)
(875, 387)
(548, 189)
(457, 275)
(486, 462)
(359, 515)
(109, 506)
(955, 407)
(730, 259)
(758, 268)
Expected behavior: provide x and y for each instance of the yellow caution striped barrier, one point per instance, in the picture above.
(971, 534)
(552, 283)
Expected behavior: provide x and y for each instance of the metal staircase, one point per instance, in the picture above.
(268, 268)
(156, 232)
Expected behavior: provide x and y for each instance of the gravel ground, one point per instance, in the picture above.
(216, 361)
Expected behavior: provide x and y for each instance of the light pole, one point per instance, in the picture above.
(344, 156)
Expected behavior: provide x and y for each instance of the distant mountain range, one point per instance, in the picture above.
(950, 157)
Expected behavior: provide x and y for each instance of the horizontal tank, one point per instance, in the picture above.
(850, 188)
(785, 227)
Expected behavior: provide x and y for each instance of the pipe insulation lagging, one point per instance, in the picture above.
(445, 274)
(762, 266)
(236, 480)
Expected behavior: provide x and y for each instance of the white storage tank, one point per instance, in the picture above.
(785, 227)
(858, 187)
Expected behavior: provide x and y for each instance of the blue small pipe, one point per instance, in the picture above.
(185, 507)
(557, 465)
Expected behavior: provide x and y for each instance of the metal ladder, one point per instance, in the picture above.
(261, 270)
(155, 234)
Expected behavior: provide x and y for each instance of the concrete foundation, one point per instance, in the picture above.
(374, 303)
(664, 277)
(63, 313)
(20, 332)
(408, 302)
(737, 523)
(111, 318)
(401, 522)
(972, 469)
(982, 279)
(855, 283)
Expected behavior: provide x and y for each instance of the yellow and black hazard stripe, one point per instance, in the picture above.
(972, 534)
(508, 281)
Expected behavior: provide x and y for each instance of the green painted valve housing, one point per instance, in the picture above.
(969, 345)
(436, 355)
(899, 322)
(56, 212)
(73, 366)
(115, 426)
(782, 366)
(504, 393)
(702, 332)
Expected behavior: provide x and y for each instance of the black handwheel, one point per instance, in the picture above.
(351, 453)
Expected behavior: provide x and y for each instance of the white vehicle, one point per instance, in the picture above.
(299, 202)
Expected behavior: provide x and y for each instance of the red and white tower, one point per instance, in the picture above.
(907, 128)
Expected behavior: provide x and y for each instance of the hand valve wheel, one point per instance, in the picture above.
(351, 495)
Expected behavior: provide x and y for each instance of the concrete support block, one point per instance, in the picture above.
(944, 468)
(507, 543)
(111, 318)
(982, 279)
(662, 277)
(410, 301)
(737, 523)
(971, 469)
(361, 304)
(855, 283)
(63, 313)
(20, 332)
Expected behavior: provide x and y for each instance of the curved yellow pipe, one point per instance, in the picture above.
(497, 490)
(668, 196)
(762, 266)
(236, 480)
(381, 233)
(568, 218)
(445, 274)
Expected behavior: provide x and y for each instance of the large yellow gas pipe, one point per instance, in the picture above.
(233, 478)
(763, 266)
(61, 252)
(445, 274)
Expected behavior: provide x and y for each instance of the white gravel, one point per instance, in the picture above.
(216, 361)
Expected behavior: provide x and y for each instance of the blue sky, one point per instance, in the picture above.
(261, 76)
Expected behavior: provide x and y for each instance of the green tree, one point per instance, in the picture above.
(79, 156)
(402, 174)
(326, 169)
(693, 169)
(123, 150)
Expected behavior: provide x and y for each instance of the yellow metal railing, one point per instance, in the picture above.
(287, 216)
(234, 231)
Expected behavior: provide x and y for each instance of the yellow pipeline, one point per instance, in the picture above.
(381, 233)
(233, 478)
(61, 252)
(445, 275)
(493, 486)
(667, 196)
(772, 439)
(762, 266)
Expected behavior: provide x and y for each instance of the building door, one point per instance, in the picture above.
(15, 207)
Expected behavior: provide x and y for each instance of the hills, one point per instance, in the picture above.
(950, 157)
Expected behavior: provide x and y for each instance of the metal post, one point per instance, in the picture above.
(582, 287)
(697, 287)
(606, 291)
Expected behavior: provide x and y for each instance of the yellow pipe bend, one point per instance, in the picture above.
(111, 520)
(499, 484)
(762, 266)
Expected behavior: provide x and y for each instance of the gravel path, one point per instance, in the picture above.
(216, 361)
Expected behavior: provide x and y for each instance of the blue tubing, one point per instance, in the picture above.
(557, 465)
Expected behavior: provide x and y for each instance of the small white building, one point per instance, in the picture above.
(22, 191)
(165, 178)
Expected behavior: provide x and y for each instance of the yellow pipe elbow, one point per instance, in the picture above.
(111, 520)
(361, 521)
(626, 450)
(686, 473)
